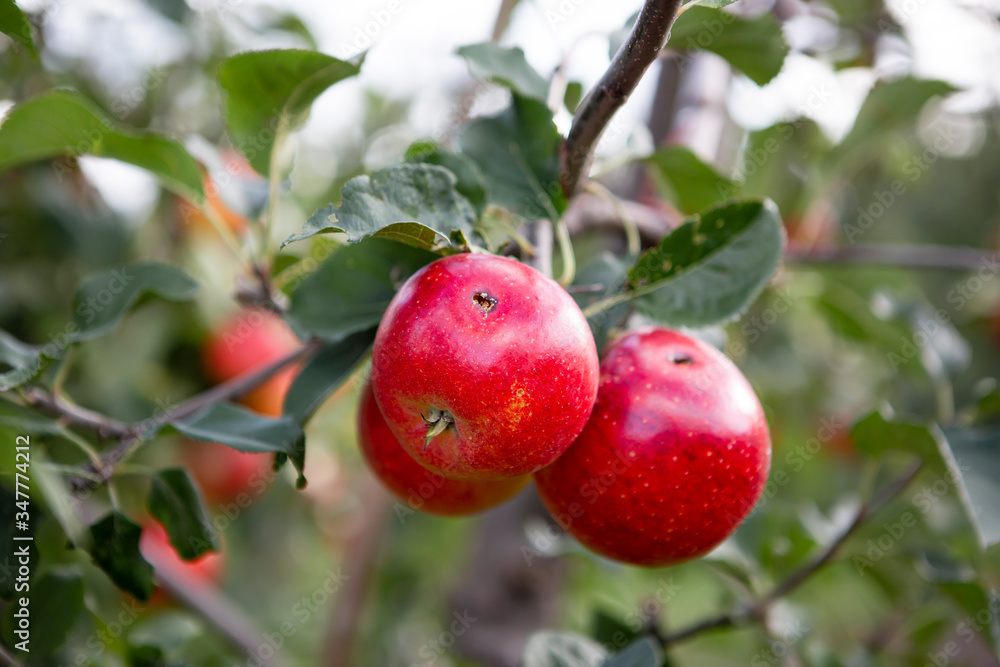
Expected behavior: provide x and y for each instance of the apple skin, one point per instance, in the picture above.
(203, 572)
(222, 473)
(674, 457)
(414, 484)
(503, 349)
(247, 341)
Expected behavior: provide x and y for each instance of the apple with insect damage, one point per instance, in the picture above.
(414, 484)
(484, 368)
(674, 457)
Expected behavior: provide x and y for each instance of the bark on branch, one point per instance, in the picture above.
(642, 47)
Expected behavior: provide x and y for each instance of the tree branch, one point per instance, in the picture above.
(214, 608)
(642, 47)
(749, 613)
(74, 415)
(906, 256)
(132, 435)
(502, 19)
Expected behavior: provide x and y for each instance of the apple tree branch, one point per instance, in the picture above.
(642, 47)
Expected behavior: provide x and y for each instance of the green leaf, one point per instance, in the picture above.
(22, 420)
(711, 267)
(518, 154)
(573, 96)
(423, 196)
(987, 408)
(609, 630)
(888, 107)
(247, 431)
(561, 649)
(265, 89)
(164, 633)
(325, 373)
(976, 450)
(691, 184)
(115, 549)
(875, 435)
(56, 604)
(20, 363)
(609, 270)
(103, 299)
(59, 501)
(64, 123)
(642, 653)
(469, 181)
(352, 288)
(506, 66)
(15, 25)
(175, 502)
(755, 47)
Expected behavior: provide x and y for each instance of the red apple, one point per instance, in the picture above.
(414, 484)
(674, 457)
(484, 368)
(222, 473)
(154, 543)
(249, 340)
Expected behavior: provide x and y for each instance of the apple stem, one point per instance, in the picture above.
(437, 423)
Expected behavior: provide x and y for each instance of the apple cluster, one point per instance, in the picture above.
(485, 374)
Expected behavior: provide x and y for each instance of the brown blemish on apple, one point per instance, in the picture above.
(681, 358)
(485, 302)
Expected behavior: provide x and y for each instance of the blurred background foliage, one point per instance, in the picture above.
(817, 346)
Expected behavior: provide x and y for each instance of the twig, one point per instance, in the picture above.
(503, 19)
(634, 242)
(540, 236)
(215, 609)
(756, 610)
(588, 211)
(7, 659)
(74, 415)
(132, 435)
(360, 561)
(906, 256)
(642, 47)
(261, 293)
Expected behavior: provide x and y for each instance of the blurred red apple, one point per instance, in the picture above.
(222, 473)
(204, 571)
(247, 341)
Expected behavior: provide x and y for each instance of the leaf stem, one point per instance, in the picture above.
(82, 445)
(628, 224)
(566, 252)
(273, 190)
